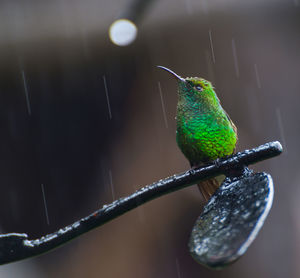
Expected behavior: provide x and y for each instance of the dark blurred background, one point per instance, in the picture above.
(60, 138)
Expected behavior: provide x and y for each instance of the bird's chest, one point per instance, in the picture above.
(191, 130)
(201, 137)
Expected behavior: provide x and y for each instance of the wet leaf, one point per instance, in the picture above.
(231, 219)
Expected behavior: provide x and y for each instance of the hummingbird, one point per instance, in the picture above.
(204, 131)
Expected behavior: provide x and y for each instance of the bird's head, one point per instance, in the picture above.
(192, 86)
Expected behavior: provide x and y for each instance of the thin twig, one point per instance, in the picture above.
(14, 246)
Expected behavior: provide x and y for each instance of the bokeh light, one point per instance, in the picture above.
(122, 32)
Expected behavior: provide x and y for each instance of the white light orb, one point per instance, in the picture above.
(122, 32)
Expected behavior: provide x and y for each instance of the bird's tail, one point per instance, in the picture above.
(208, 187)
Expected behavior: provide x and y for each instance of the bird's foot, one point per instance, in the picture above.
(217, 162)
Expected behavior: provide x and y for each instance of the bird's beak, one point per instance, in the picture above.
(173, 73)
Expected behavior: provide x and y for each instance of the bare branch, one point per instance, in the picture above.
(14, 246)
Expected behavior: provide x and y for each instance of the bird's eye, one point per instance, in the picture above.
(199, 88)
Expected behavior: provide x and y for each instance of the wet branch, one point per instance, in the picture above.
(15, 246)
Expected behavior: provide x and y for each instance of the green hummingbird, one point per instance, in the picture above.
(204, 132)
